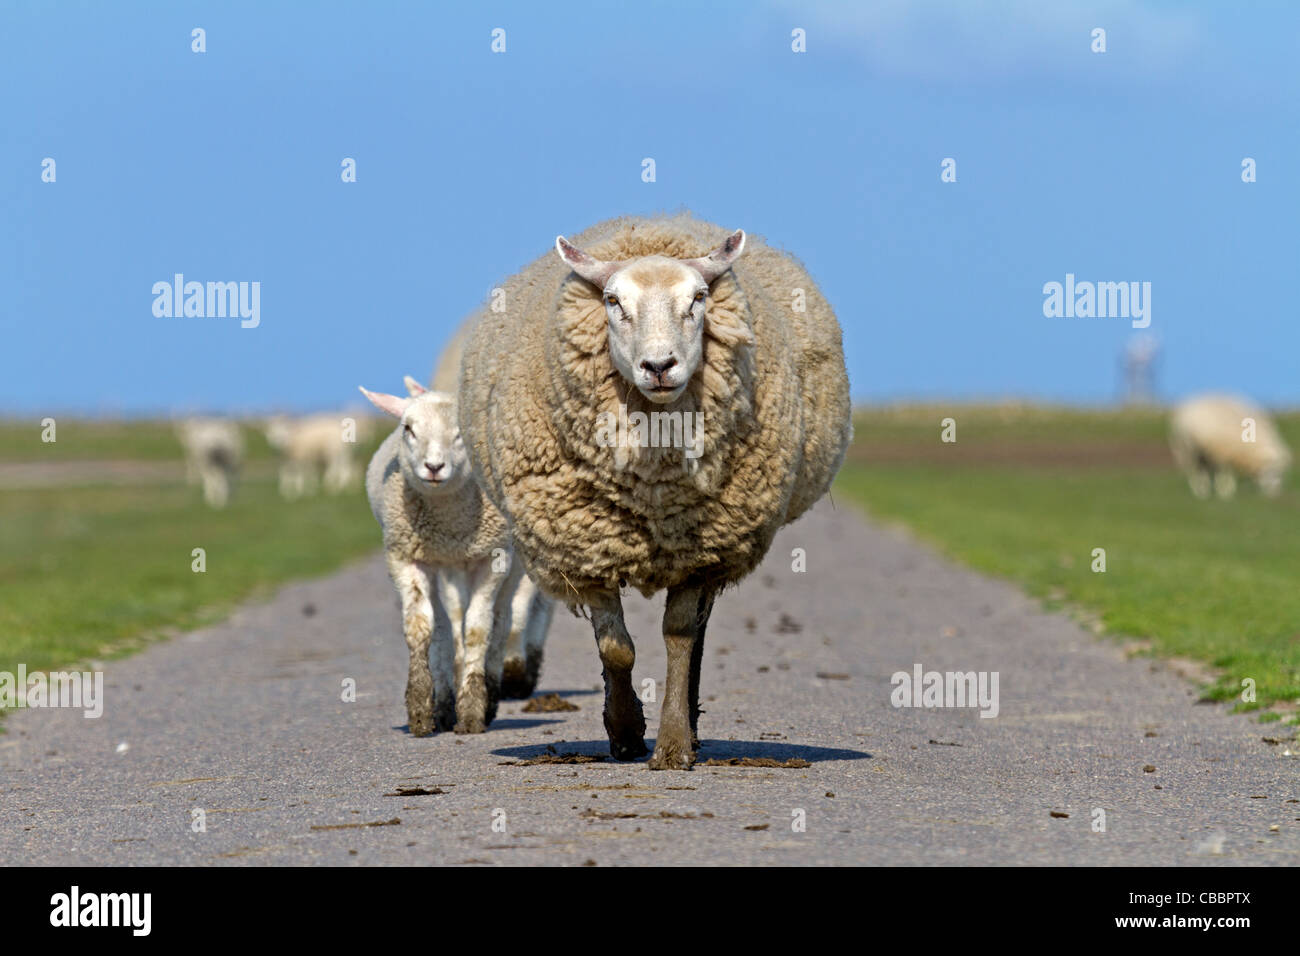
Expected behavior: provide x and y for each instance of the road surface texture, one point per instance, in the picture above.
(246, 721)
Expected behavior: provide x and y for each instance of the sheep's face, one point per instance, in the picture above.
(431, 452)
(655, 306)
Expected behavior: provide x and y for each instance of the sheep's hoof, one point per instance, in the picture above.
(445, 715)
(420, 725)
(515, 682)
(628, 750)
(627, 737)
(669, 756)
(470, 725)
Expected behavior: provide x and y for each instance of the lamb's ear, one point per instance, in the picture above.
(720, 259)
(595, 271)
(386, 403)
(413, 387)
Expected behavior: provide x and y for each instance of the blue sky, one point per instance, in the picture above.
(225, 166)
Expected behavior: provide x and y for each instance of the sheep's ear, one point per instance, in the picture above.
(595, 271)
(387, 403)
(720, 259)
(413, 387)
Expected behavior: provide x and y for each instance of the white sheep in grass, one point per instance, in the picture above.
(311, 449)
(642, 317)
(448, 553)
(214, 450)
(1215, 437)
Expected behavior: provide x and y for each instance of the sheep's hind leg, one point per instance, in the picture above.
(624, 721)
(444, 672)
(697, 662)
(685, 615)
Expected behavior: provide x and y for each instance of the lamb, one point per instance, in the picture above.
(1213, 438)
(530, 609)
(655, 316)
(308, 447)
(214, 450)
(449, 557)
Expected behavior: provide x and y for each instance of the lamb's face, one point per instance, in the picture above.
(432, 452)
(655, 308)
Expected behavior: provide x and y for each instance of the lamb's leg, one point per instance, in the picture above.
(478, 691)
(453, 593)
(685, 614)
(514, 678)
(535, 631)
(444, 671)
(624, 721)
(413, 586)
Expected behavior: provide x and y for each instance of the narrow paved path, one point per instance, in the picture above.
(245, 721)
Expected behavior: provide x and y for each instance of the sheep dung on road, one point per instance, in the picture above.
(1214, 437)
(741, 358)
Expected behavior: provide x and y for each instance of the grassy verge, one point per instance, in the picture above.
(1029, 494)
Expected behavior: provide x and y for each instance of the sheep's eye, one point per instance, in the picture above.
(409, 430)
(699, 296)
(611, 300)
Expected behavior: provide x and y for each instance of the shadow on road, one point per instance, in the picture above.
(709, 750)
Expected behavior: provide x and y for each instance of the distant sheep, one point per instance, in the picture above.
(1215, 437)
(633, 318)
(214, 450)
(313, 449)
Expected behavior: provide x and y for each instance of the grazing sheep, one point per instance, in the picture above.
(1212, 438)
(311, 447)
(530, 609)
(214, 449)
(743, 355)
(448, 555)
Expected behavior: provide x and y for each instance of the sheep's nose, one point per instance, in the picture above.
(435, 467)
(658, 368)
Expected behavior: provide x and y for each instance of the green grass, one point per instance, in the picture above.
(1216, 581)
(93, 572)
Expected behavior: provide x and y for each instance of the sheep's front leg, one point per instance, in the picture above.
(685, 615)
(413, 586)
(477, 691)
(624, 720)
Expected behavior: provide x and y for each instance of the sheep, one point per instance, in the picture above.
(655, 316)
(214, 450)
(309, 446)
(530, 609)
(1213, 437)
(448, 555)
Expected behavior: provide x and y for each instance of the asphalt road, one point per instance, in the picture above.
(246, 722)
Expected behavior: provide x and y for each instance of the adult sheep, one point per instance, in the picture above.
(654, 316)
(1215, 437)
